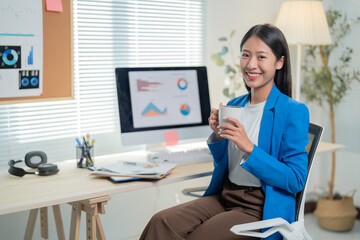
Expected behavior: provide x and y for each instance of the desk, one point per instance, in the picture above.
(72, 184)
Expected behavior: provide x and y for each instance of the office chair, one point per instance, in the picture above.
(294, 231)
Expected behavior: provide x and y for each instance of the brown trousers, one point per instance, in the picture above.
(208, 217)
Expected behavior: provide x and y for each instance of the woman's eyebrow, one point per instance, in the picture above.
(262, 52)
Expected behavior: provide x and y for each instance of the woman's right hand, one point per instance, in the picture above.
(214, 122)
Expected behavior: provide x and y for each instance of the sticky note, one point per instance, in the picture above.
(171, 137)
(54, 6)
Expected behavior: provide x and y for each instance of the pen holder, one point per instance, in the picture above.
(84, 156)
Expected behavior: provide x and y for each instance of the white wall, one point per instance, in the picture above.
(223, 17)
(127, 214)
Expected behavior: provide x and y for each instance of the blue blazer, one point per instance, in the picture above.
(280, 159)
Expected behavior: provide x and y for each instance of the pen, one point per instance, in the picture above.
(78, 142)
(89, 159)
(130, 163)
(87, 154)
(82, 157)
(87, 138)
(85, 143)
(80, 162)
(92, 142)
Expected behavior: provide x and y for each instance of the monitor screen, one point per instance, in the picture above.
(155, 100)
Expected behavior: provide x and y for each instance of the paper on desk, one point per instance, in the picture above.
(123, 179)
(135, 169)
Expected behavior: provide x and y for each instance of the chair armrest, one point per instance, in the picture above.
(259, 225)
(294, 231)
(194, 192)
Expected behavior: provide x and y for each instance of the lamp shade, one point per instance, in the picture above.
(304, 22)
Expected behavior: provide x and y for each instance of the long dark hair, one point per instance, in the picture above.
(276, 41)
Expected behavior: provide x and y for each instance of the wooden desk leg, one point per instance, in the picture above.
(31, 224)
(90, 226)
(75, 221)
(99, 229)
(58, 222)
(92, 207)
(44, 223)
(93, 223)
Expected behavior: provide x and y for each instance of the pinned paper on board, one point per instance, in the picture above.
(171, 137)
(21, 49)
(54, 6)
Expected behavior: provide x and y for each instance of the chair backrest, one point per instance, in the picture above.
(315, 132)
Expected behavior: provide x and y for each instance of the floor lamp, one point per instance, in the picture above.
(303, 23)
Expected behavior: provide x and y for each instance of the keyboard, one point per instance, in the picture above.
(182, 157)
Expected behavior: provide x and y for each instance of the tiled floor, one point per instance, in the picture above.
(318, 233)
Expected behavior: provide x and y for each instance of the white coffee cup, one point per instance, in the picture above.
(230, 111)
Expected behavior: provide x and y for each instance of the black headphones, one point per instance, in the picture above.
(35, 159)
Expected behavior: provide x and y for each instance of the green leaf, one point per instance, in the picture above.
(226, 92)
(325, 84)
(224, 50)
(217, 59)
(232, 33)
(229, 69)
(222, 39)
(238, 85)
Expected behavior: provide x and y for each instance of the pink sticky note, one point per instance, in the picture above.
(171, 138)
(54, 6)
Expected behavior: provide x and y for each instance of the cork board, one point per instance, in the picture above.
(57, 57)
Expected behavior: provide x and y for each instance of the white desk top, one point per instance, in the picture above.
(74, 184)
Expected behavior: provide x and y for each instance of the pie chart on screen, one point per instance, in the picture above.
(182, 84)
(185, 109)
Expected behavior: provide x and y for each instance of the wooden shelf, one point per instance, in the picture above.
(325, 147)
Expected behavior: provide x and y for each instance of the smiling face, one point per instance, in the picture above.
(258, 65)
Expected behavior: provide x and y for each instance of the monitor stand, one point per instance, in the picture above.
(155, 148)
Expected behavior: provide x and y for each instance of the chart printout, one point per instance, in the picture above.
(21, 48)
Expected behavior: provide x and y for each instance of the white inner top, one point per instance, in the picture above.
(251, 120)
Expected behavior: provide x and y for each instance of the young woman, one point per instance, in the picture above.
(259, 164)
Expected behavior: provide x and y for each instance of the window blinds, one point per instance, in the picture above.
(107, 34)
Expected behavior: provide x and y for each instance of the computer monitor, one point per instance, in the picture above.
(158, 100)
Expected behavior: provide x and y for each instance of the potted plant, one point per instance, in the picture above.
(326, 84)
(231, 63)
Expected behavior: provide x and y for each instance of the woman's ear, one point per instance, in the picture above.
(280, 63)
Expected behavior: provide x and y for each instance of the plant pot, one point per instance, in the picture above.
(336, 215)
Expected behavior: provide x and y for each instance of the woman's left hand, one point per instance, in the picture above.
(235, 132)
